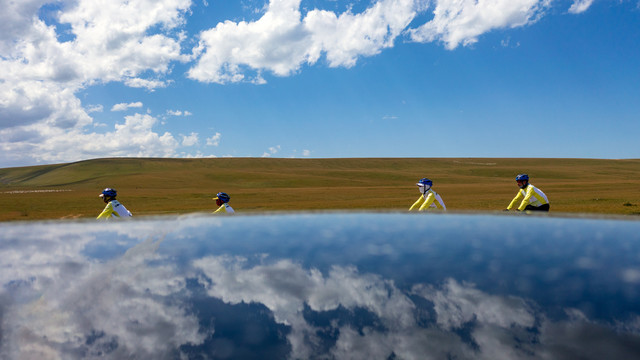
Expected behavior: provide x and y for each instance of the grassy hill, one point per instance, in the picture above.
(177, 186)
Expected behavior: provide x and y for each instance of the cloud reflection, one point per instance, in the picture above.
(67, 306)
(78, 292)
(451, 320)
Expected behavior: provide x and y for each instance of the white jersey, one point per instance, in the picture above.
(439, 200)
(114, 210)
(225, 208)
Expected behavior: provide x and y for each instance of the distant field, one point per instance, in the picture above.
(178, 186)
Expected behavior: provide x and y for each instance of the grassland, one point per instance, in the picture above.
(178, 186)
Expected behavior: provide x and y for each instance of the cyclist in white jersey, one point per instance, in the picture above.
(113, 209)
(428, 197)
(222, 200)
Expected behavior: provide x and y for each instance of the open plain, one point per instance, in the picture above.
(153, 186)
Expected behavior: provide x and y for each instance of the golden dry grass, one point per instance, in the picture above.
(178, 186)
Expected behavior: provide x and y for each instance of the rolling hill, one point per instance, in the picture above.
(151, 186)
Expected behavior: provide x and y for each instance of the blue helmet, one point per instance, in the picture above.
(109, 192)
(522, 177)
(425, 182)
(223, 197)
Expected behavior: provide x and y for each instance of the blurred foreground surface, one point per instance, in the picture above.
(333, 285)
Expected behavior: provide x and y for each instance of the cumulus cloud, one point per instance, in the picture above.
(46, 59)
(116, 36)
(458, 22)
(111, 41)
(134, 137)
(272, 151)
(580, 6)
(349, 36)
(50, 51)
(214, 140)
(282, 40)
(125, 106)
(146, 83)
(190, 140)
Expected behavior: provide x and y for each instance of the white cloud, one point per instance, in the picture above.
(136, 316)
(110, 41)
(457, 304)
(125, 106)
(285, 287)
(458, 22)
(190, 140)
(349, 36)
(95, 108)
(272, 151)
(580, 6)
(43, 66)
(281, 41)
(306, 152)
(497, 326)
(178, 113)
(115, 36)
(64, 304)
(145, 83)
(29, 102)
(135, 137)
(196, 155)
(214, 140)
(507, 43)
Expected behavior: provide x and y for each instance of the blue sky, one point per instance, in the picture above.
(318, 79)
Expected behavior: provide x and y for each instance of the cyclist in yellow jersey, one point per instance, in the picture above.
(113, 209)
(428, 198)
(222, 200)
(530, 197)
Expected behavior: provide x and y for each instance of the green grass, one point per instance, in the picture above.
(178, 186)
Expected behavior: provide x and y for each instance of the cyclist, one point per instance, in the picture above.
(428, 197)
(222, 200)
(530, 197)
(113, 209)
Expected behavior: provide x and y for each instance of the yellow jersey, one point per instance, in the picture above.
(530, 195)
(430, 199)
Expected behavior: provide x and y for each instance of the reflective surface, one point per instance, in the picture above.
(338, 285)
